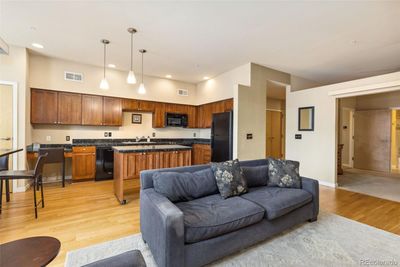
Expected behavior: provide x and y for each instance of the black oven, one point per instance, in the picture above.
(176, 120)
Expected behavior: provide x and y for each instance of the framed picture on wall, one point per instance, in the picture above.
(137, 118)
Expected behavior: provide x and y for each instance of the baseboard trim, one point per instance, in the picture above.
(334, 185)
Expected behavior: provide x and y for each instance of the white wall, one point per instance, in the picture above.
(13, 68)
(222, 86)
(47, 73)
(316, 151)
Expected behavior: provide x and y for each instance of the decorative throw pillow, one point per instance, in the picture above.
(230, 178)
(256, 175)
(283, 173)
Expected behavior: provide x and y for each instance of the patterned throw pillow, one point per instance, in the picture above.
(283, 173)
(230, 178)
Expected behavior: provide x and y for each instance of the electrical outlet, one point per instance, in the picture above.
(105, 134)
(249, 136)
(48, 138)
(67, 138)
(194, 134)
(153, 134)
(109, 134)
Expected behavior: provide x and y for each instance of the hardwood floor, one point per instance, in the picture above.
(87, 213)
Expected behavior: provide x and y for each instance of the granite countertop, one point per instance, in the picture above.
(149, 148)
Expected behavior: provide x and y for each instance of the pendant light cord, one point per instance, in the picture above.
(131, 51)
(142, 66)
(104, 70)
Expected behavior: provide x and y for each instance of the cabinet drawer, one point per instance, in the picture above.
(83, 149)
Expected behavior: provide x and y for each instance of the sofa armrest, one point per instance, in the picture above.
(312, 186)
(161, 224)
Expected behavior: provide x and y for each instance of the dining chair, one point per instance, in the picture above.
(55, 155)
(4, 167)
(35, 175)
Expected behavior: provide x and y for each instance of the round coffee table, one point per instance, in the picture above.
(32, 251)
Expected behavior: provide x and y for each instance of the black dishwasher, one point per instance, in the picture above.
(104, 163)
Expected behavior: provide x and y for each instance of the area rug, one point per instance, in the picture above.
(331, 241)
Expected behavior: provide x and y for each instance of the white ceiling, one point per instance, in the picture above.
(323, 41)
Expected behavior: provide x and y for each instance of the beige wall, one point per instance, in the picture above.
(379, 101)
(299, 83)
(13, 68)
(47, 73)
(316, 151)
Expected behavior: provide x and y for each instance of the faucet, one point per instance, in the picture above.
(138, 139)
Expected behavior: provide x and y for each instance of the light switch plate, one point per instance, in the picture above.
(153, 134)
(48, 138)
(67, 138)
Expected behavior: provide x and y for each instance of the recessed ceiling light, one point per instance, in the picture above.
(168, 76)
(206, 77)
(37, 45)
(111, 66)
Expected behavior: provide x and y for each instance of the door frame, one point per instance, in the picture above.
(351, 137)
(15, 126)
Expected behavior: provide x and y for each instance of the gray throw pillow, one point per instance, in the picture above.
(229, 177)
(185, 186)
(256, 175)
(283, 173)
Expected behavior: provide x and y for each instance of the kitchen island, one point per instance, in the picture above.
(129, 161)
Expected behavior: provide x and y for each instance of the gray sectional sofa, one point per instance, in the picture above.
(208, 227)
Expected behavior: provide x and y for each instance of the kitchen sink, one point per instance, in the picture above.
(138, 143)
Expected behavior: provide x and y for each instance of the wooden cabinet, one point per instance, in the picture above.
(146, 106)
(192, 116)
(204, 112)
(130, 104)
(69, 108)
(83, 163)
(159, 115)
(184, 158)
(112, 111)
(44, 107)
(201, 154)
(92, 110)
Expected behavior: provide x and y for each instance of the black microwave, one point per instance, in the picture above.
(176, 120)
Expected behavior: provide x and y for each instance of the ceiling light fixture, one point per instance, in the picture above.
(111, 66)
(206, 77)
(131, 79)
(168, 76)
(37, 45)
(142, 89)
(104, 84)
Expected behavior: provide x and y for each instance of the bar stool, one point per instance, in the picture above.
(35, 175)
(55, 155)
(4, 167)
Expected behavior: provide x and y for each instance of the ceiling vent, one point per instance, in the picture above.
(73, 76)
(183, 92)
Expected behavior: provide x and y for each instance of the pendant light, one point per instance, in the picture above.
(104, 84)
(131, 79)
(142, 89)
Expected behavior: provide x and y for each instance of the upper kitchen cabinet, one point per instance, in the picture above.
(92, 110)
(192, 116)
(146, 106)
(159, 115)
(130, 104)
(69, 108)
(112, 111)
(228, 104)
(204, 112)
(44, 107)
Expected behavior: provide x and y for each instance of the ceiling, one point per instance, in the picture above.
(326, 41)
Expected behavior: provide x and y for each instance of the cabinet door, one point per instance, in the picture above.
(92, 110)
(206, 154)
(44, 107)
(191, 111)
(152, 160)
(83, 163)
(112, 111)
(173, 159)
(207, 115)
(228, 103)
(130, 104)
(200, 116)
(159, 115)
(184, 158)
(130, 166)
(168, 159)
(218, 107)
(69, 108)
(147, 106)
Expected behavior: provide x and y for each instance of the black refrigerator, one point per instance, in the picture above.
(221, 136)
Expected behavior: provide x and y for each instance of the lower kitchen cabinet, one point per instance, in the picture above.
(83, 163)
(134, 163)
(201, 154)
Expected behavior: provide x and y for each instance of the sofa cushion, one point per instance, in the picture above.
(278, 201)
(185, 186)
(212, 216)
(256, 176)
(229, 177)
(283, 173)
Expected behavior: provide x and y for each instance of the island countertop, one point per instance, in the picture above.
(149, 148)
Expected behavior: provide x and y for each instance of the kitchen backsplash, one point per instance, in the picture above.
(51, 134)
